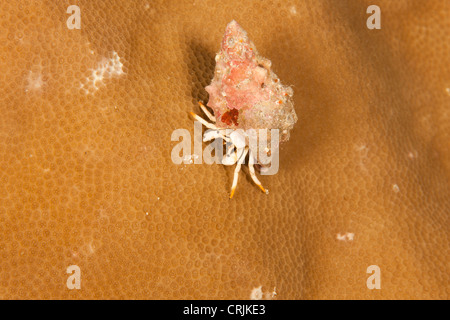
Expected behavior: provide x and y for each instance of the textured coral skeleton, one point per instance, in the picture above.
(245, 94)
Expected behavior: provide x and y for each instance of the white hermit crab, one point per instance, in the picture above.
(236, 151)
(245, 94)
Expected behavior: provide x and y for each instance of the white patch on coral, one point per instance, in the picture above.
(274, 292)
(348, 236)
(364, 151)
(256, 293)
(395, 188)
(34, 81)
(270, 295)
(412, 154)
(293, 10)
(92, 247)
(107, 69)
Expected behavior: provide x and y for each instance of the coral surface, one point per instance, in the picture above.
(86, 178)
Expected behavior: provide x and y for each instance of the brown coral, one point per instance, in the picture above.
(86, 179)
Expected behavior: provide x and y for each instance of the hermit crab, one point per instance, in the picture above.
(246, 96)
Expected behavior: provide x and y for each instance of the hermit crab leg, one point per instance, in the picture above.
(203, 121)
(233, 153)
(243, 153)
(208, 114)
(251, 162)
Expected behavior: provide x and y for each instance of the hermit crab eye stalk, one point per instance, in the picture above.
(245, 94)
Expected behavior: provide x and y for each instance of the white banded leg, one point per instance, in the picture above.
(251, 162)
(241, 155)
